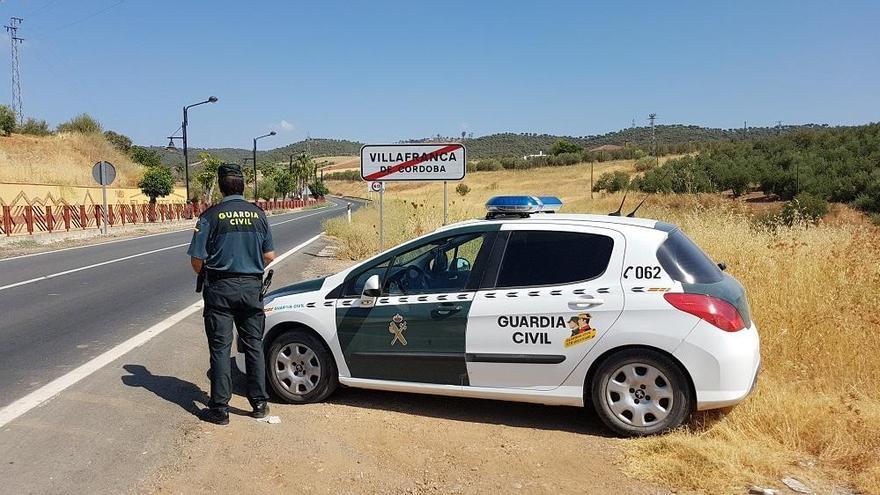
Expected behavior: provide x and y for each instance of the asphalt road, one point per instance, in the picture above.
(98, 296)
(119, 428)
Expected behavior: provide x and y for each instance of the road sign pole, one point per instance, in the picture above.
(104, 199)
(445, 203)
(381, 220)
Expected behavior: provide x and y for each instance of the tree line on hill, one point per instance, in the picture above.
(523, 144)
(839, 164)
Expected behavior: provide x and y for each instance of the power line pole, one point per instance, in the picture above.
(14, 41)
(778, 127)
(652, 117)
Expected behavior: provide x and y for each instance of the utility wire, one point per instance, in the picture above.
(42, 8)
(82, 19)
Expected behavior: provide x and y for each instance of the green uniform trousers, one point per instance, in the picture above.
(228, 300)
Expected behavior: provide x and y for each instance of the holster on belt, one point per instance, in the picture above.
(200, 281)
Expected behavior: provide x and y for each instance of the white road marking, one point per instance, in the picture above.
(92, 245)
(58, 385)
(87, 267)
(95, 265)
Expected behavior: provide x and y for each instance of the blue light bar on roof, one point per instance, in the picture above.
(521, 205)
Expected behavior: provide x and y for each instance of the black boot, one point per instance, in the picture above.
(216, 416)
(261, 409)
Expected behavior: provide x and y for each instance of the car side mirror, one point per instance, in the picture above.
(722, 266)
(371, 292)
(461, 265)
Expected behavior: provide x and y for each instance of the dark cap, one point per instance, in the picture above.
(229, 169)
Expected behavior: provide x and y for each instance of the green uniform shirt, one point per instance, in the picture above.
(232, 237)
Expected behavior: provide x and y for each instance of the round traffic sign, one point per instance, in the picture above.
(104, 173)
(377, 186)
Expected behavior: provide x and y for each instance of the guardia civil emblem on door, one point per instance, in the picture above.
(397, 327)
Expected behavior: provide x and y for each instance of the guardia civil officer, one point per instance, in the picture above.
(230, 247)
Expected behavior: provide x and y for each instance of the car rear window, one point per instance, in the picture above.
(685, 262)
(535, 258)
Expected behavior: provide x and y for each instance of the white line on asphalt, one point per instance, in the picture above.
(87, 267)
(134, 238)
(95, 265)
(53, 388)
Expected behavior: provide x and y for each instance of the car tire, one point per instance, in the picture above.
(300, 369)
(638, 392)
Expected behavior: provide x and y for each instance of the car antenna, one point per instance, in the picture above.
(633, 213)
(617, 213)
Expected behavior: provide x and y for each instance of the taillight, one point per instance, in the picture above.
(716, 311)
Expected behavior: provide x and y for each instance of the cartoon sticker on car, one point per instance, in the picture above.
(581, 331)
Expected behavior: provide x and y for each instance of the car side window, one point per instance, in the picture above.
(536, 258)
(442, 265)
(354, 286)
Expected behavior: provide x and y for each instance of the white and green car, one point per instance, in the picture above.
(627, 314)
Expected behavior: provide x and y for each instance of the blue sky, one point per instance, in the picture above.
(383, 71)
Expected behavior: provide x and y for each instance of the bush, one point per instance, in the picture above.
(645, 163)
(349, 175)
(563, 146)
(512, 162)
(145, 156)
(7, 120)
(266, 188)
(805, 207)
(319, 189)
(82, 123)
(34, 127)
(487, 165)
(612, 181)
(462, 189)
(157, 182)
(119, 141)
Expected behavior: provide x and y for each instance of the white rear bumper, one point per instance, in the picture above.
(723, 365)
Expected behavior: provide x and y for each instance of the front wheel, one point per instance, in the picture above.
(639, 392)
(300, 368)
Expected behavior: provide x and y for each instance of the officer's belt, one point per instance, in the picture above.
(218, 275)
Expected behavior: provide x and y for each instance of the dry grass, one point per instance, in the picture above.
(339, 163)
(64, 159)
(814, 294)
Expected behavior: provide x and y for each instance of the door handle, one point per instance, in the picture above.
(445, 309)
(585, 303)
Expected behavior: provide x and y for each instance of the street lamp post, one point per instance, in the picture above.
(255, 160)
(212, 99)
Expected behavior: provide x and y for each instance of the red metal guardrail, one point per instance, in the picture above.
(37, 218)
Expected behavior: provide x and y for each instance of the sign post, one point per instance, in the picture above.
(445, 204)
(104, 173)
(381, 220)
(379, 187)
(413, 162)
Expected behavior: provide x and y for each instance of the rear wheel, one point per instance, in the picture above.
(300, 368)
(639, 392)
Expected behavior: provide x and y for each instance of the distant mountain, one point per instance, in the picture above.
(504, 144)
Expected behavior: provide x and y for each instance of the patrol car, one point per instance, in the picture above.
(626, 314)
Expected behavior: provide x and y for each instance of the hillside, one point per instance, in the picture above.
(63, 159)
(314, 146)
(675, 134)
(506, 144)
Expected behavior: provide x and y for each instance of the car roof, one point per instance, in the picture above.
(552, 218)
